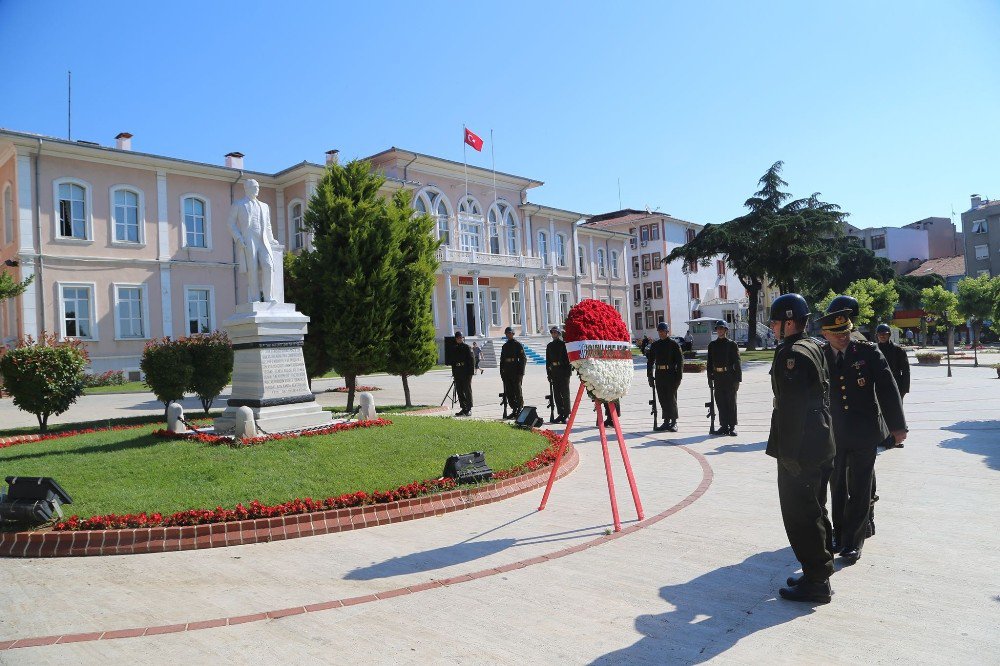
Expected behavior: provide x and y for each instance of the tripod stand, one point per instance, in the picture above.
(451, 394)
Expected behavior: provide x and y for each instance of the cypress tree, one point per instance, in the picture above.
(352, 269)
(412, 350)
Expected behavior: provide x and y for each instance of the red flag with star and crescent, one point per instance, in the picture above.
(473, 140)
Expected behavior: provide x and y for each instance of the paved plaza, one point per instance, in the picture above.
(697, 581)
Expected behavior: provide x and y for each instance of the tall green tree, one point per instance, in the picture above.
(977, 298)
(865, 310)
(778, 240)
(910, 287)
(300, 290)
(412, 350)
(881, 295)
(352, 269)
(846, 261)
(943, 306)
(9, 287)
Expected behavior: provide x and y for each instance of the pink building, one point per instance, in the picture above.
(128, 246)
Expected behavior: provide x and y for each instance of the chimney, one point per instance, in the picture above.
(332, 157)
(234, 160)
(976, 200)
(124, 141)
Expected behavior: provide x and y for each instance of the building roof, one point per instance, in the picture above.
(945, 267)
(628, 216)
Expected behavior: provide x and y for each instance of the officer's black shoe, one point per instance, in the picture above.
(732, 432)
(808, 591)
(720, 431)
(672, 426)
(851, 556)
(661, 427)
(608, 423)
(462, 413)
(792, 581)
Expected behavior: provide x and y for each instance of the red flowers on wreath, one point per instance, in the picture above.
(591, 319)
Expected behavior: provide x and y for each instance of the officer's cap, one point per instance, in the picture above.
(458, 335)
(662, 326)
(554, 329)
(508, 330)
(883, 328)
(836, 322)
(722, 324)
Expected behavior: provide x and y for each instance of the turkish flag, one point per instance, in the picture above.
(473, 140)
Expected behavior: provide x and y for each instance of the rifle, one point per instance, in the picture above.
(551, 405)
(711, 408)
(503, 401)
(653, 410)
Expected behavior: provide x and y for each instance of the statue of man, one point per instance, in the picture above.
(250, 224)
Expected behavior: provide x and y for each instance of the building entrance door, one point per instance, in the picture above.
(470, 312)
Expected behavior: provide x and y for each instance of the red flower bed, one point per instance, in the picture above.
(257, 510)
(208, 438)
(591, 319)
(357, 389)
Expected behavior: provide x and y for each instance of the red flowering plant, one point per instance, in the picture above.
(597, 341)
(359, 388)
(209, 438)
(255, 509)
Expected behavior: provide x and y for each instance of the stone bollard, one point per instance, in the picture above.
(367, 411)
(246, 426)
(175, 418)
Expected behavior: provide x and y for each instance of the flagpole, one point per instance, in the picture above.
(465, 158)
(493, 157)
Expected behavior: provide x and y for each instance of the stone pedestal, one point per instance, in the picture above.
(269, 372)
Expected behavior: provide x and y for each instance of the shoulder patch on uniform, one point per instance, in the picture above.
(790, 364)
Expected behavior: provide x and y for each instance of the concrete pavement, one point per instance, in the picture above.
(698, 585)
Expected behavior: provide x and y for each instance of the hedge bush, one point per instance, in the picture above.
(201, 364)
(109, 378)
(167, 366)
(44, 378)
(212, 362)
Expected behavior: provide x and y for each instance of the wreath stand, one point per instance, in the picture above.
(607, 458)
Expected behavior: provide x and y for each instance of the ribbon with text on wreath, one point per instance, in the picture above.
(598, 345)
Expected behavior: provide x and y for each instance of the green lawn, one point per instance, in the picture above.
(132, 471)
(386, 409)
(757, 355)
(127, 387)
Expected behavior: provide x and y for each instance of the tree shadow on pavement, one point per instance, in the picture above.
(714, 612)
(981, 438)
(747, 447)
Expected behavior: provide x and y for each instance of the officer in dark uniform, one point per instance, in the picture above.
(896, 357)
(865, 401)
(802, 440)
(724, 375)
(512, 364)
(463, 366)
(665, 369)
(559, 371)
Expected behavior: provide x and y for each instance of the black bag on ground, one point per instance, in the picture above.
(468, 467)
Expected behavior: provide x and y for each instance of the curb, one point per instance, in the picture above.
(235, 533)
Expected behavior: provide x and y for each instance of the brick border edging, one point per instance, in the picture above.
(235, 533)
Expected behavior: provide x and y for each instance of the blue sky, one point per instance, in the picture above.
(887, 108)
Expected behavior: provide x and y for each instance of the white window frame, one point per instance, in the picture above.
(581, 259)
(602, 270)
(140, 215)
(614, 264)
(561, 250)
(8, 214)
(143, 310)
(980, 226)
(88, 213)
(563, 305)
(92, 286)
(208, 221)
(549, 307)
(454, 307)
(515, 307)
(619, 306)
(188, 288)
(494, 307)
(982, 252)
(295, 243)
(431, 198)
(543, 247)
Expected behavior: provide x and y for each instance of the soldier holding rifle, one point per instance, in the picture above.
(463, 366)
(665, 369)
(512, 364)
(559, 371)
(724, 376)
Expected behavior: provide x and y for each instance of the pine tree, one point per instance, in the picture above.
(352, 269)
(412, 349)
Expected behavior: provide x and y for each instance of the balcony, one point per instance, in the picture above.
(485, 259)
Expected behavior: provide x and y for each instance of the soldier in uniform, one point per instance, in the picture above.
(559, 371)
(512, 364)
(463, 366)
(865, 401)
(724, 375)
(665, 369)
(802, 440)
(896, 357)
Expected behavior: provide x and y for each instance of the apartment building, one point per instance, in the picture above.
(981, 228)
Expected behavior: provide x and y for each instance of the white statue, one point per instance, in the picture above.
(250, 223)
(367, 411)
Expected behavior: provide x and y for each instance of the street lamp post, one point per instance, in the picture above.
(972, 332)
(949, 337)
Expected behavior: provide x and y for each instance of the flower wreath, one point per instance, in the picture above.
(597, 341)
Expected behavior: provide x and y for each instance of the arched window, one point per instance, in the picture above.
(560, 249)
(73, 209)
(470, 225)
(127, 214)
(614, 263)
(503, 228)
(433, 202)
(196, 213)
(543, 247)
(295, 219)
(601, 268)
(581, 259)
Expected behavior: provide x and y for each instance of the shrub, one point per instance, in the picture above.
(44, 378)
(929, 358)
(694, 366)
(167, 366)
(212, 355)
(109, 378)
